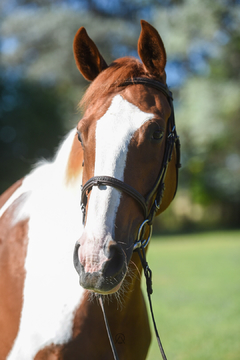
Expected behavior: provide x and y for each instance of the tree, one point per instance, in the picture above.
(204, 39)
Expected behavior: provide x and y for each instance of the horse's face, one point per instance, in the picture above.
(123, 136)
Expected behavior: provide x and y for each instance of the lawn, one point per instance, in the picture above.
(196, 296)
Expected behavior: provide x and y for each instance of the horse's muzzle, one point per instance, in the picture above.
(102, 272)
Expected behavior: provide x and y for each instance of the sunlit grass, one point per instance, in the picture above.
(196, 298)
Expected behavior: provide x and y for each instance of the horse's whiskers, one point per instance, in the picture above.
(120, 295)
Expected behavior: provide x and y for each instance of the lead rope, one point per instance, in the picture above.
(114, 351)
(148, 276)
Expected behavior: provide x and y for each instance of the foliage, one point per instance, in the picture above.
(24, 120)
(203, 38)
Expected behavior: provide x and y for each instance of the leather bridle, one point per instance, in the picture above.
(152, 202)
(149, 204)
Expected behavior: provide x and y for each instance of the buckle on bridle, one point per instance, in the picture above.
(139, 242)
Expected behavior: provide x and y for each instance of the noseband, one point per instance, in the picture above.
(152, 202)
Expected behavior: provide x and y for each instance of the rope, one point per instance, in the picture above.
(114, 351)
(148, 276)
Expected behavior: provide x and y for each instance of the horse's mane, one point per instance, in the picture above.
(108, 81)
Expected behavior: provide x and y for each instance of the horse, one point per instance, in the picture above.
(116, 166)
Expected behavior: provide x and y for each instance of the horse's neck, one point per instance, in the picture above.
(50, 204)
(127, 315)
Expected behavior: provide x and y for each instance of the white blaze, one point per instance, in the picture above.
(114, 132)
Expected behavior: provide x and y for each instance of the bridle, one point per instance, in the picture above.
(152, 202)
(149, 204)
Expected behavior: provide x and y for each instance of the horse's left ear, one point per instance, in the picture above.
(87, 56)
(151, 50)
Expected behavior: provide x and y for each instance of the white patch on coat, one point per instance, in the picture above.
(51, 290)
(114, 132)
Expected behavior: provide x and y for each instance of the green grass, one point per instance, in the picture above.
(196, 296)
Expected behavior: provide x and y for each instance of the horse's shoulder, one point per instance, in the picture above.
(13, 246)
(13, 230)
(12, 226)
(8, 193)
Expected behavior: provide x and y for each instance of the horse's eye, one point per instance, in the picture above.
(79, 136)
(157, 135)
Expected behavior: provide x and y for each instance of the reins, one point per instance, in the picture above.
(149, 204)
(148, 276)
(114, 351)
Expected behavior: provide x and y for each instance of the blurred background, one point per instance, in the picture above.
(196, 283)
(40, 88)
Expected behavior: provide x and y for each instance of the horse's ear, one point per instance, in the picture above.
(88, 59)
(151, 50)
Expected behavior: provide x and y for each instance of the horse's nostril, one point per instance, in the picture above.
(76, 261)
(116, 261)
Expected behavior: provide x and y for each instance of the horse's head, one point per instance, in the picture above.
(124, 134)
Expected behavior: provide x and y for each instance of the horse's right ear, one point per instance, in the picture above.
(88, 59)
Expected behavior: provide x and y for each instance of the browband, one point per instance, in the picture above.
(149, 82)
